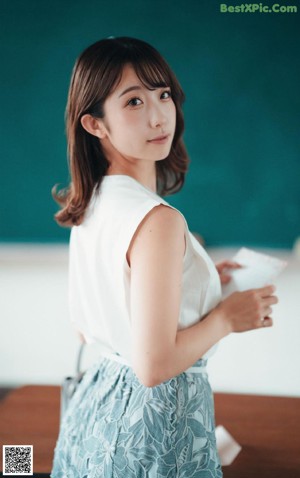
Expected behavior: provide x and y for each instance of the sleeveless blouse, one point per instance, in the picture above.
(99, 275)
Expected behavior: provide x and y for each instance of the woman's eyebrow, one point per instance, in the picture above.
(131, 88)
(137, 87)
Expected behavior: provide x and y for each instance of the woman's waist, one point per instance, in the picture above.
(198, 367)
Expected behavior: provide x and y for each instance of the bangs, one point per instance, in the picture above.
(152, 74)
(150, 67)
(112, 55)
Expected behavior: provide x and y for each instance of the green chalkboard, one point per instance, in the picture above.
(240, 73)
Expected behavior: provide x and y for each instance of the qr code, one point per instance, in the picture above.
(17, 460)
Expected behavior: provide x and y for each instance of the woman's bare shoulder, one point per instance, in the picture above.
(162, 213)
(163, 224)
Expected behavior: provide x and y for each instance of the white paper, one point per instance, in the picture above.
(258, 270)
(227, 447)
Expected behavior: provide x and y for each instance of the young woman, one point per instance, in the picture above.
(141, 286)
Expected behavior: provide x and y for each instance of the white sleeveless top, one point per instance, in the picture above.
(99, 275)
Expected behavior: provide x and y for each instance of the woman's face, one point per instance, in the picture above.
(134, 116)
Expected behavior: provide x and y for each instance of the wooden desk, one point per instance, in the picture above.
(30, 416)
(268, 428)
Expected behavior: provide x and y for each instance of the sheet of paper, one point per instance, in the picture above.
(258, 270)
(228, 448)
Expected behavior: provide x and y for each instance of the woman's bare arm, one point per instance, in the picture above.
(155, 256)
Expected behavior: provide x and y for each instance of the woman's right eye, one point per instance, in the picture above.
(132, 100)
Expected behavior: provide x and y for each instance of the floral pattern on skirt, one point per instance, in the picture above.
(115, 427)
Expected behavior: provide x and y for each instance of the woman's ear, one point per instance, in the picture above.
(93, 126)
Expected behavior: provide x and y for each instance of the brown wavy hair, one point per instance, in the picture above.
(97, 71)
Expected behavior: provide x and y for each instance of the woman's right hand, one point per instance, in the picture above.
(248, 310)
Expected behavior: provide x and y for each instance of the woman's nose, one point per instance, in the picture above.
(157, 116)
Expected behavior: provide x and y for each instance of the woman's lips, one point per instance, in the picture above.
(159, 139)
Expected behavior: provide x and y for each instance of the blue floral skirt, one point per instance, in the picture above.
(115, 427)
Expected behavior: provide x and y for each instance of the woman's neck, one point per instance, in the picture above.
(145, 176)
(143, 170)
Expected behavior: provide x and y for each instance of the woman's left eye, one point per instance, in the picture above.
(168, 92)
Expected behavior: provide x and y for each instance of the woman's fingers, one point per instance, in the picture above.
(271, 300)
(267, 301)
(233, 265)
(266, 291)
(225, 278)
(267, 322)
(228, 265)
(267, 312)
(250, 309)
(223, 266)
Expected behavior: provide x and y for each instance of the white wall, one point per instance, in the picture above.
(39, 346)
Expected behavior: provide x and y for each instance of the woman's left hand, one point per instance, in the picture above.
(223, 268)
